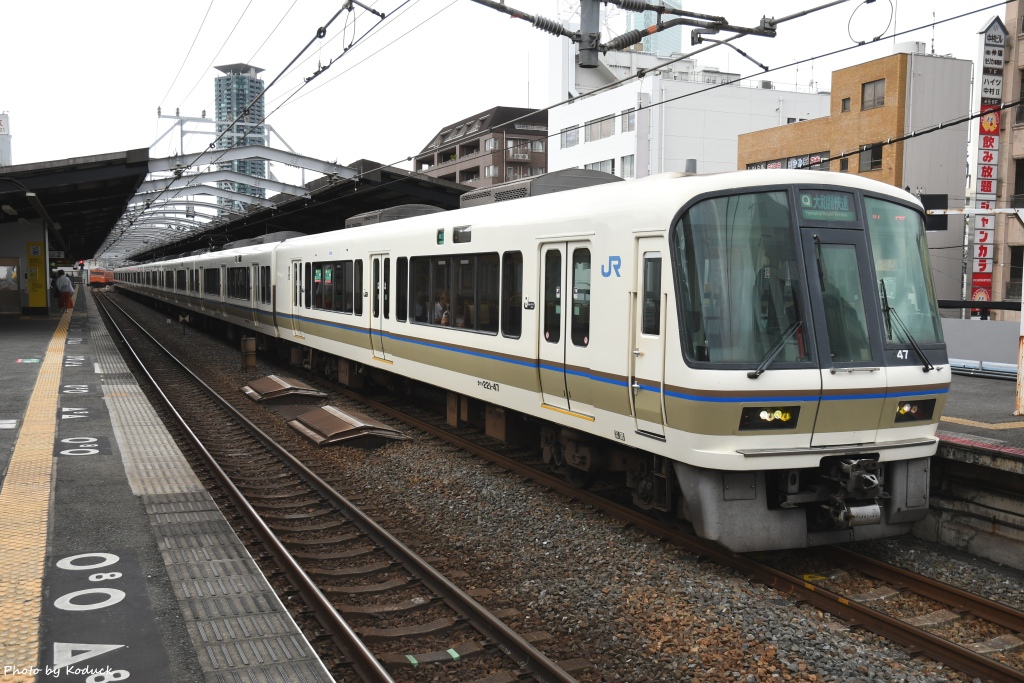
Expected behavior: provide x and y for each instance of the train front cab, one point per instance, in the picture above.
(809, 316)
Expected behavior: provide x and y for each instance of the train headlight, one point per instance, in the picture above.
(915, 411)
(769, 418)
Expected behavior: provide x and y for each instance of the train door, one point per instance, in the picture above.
(647, 323)
(565, 326)
(380, 302)
(296, 297)
(848, 340)
(254, 293)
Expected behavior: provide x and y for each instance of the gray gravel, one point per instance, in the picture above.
(635, 608)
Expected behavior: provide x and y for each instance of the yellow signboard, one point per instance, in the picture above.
(36, 275)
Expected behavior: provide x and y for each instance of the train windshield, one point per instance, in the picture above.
(903, 276)
(740, 279)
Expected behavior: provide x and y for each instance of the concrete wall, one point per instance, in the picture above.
(989, 340)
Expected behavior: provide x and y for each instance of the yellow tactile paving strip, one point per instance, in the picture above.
(24, 516)
(983, 425)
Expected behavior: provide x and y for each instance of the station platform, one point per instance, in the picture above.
(978, 425)
(115, 562)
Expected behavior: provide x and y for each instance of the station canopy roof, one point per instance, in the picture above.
(127, 207)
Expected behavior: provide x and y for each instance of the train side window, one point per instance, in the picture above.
(179, 280)
(512, 294)
(441, 284)
(239, 286)
(401, 289)
(307, 297)
(329, 276)
(553, 296)
(651, 318)
(420, 290)
(358, 277)
(211, 281)
(488, 281)
(168, 279)
(580, 315)
(265, 285)
(344, 287)
(318, 285)
(463, 303)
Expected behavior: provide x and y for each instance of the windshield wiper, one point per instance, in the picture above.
(890, 315)
(774, 351)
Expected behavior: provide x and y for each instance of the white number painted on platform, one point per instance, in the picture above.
(76, 389)
(74, 340)
(106, 559)
(74, 361)
(105, 676)
(67, 654)
(68, 604)
(73, 413)
(80, 440)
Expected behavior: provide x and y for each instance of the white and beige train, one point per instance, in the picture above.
(757, 352)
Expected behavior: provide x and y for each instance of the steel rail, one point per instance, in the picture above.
(514, 645)
(914, 639)
(361, 659)
(989, 610)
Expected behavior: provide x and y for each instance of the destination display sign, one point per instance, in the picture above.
(827, 206)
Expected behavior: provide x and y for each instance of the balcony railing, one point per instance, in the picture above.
(1017, 201)
(1012, 291)
(518, 156)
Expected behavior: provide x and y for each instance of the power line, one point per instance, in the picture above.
(201, 24)
(203, 75)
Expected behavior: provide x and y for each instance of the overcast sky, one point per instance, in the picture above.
(83, 78)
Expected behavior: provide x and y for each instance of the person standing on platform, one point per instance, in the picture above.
(65, 289)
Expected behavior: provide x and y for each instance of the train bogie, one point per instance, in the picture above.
(757, 352)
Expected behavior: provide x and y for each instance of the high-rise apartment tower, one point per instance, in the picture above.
(238, 88)
(662, 43)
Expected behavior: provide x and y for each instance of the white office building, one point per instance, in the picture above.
(657, 123)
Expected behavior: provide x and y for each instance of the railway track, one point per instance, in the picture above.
(977, 659)
(389, 614)
(807, 584)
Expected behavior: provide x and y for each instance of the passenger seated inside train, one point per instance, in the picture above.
(442, 315)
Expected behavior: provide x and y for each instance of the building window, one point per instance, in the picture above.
(627, 167)
(599, 129)
(608, 166)
(846, 104)
(629, 120)
(1013, 286)
(490, 144)
(491, 171)
(790, 120)
(844, 165)
(536, 145)
(570, 137)
(872, 94)
(870, 157)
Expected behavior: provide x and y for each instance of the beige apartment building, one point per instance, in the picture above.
(872, 103)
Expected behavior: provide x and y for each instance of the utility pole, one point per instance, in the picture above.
(590, 33)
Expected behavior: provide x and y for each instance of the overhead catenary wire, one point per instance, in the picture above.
(320, 33)
(640, 75)
(189, 53)
(231, 33)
